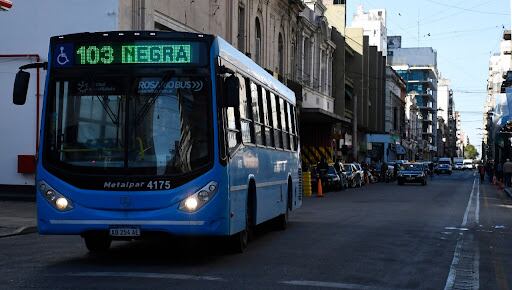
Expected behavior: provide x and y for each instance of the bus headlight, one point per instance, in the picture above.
(197, 200)
(57, 200)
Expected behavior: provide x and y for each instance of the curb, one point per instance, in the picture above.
(508, 191)
(20, 231)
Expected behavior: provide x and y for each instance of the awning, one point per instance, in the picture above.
(319, 116)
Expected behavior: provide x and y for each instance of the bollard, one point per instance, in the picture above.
(306, 182)
(319, 192)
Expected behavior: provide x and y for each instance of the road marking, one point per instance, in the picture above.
(464, 270)
(334, 285)
(145, 275)
(477, 210)
(466, 213)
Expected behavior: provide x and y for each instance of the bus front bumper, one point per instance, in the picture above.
(169, 220)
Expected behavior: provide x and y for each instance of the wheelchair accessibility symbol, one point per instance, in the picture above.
(63, 55)
(62, 58)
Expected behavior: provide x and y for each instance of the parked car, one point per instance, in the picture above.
(360, 170)
(354, 177)
(412, 173)
(340, 169)
(331, 180)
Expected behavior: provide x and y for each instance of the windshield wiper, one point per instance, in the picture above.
(108, 110)
(151, 99)
(112, 116)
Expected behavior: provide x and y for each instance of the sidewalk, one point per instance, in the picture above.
(17, 218)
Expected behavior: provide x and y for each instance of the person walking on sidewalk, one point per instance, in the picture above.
(499, 171)
(490, 171)
(481, 171)
(507, 170)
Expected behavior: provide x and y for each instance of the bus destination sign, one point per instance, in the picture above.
(169, 52)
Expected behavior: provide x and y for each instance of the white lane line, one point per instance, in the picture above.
(459, 261)
(334, 285)
(145, 275)
(477, 211)
(466, 213)
(450, 281)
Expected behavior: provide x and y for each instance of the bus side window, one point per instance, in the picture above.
(245, 117)
(275, 120)
(266, 111)
(256, 114)
(294, 128)
(233, 120)
(289, 123)
(282, 108)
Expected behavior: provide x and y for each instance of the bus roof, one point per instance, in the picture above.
(249, 67)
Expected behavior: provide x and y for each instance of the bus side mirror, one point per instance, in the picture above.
(232, 92)
(19, 93)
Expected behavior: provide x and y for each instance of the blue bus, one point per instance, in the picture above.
(171, 132)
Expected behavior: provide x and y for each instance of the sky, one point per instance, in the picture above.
(464, 34)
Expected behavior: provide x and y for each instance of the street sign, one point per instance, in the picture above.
(5, 5)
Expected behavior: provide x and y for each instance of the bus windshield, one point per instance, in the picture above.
(126, 123)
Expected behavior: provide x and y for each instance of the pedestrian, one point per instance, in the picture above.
(499, 171)
(481, 170)
(507, 171)
(384, 172)
(490, 171)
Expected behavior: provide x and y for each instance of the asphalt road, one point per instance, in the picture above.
(451, 234)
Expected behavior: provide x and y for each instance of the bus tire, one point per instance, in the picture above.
(240, 240)
(96, 242)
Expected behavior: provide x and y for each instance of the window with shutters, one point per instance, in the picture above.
(258, 40)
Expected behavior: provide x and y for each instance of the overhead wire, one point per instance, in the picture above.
(467, 9)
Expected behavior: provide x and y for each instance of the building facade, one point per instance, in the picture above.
(264, 30)
(494, 144)
(413, 137)
(314, 75)
(418, 67)
(395, 103)
(447, 131)
(374, 24)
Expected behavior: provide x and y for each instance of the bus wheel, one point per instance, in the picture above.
(240, 240)
(96, 242)
(282, 221)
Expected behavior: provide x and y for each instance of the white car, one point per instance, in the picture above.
(468, 164)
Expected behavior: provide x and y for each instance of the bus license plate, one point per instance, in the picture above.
(125, 232)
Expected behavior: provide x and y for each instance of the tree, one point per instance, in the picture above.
(470, 152)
